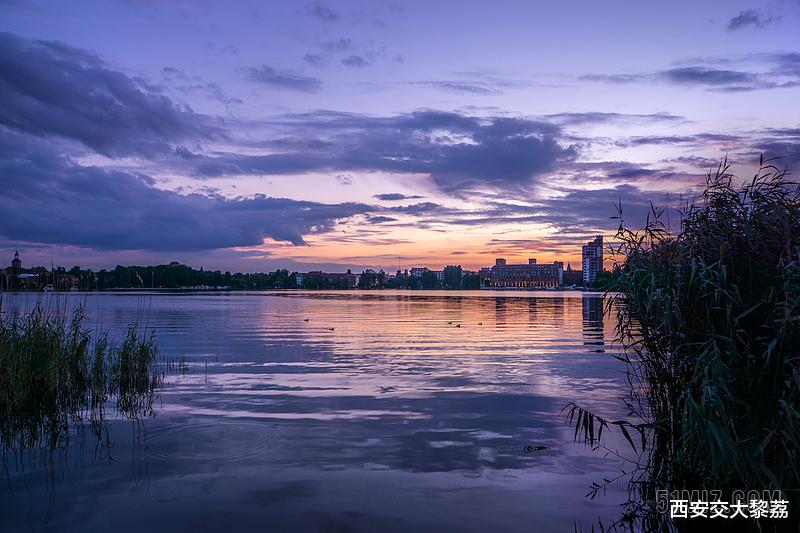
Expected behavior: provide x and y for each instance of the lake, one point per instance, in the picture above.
(341, 411)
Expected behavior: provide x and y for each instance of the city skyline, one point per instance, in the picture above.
(335, 135)
(407, 270)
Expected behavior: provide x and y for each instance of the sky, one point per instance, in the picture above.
(251, 136)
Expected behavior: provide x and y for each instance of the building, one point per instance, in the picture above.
(573, 277)
(592, 253)
(15, 277)
(11, 275)
(317, 279)
(524, 276)
(417, 272)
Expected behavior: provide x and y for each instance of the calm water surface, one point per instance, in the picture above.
(342, 411)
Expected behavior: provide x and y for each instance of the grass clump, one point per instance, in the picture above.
(54, 375)
(710, 318)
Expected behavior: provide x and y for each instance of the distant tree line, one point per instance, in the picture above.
(370, 279)
(452, 278)
(176, 275)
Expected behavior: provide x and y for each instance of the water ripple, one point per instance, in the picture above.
(213, 440)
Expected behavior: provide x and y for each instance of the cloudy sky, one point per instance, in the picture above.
(329, 134)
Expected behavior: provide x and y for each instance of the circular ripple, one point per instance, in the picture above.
(225, 441)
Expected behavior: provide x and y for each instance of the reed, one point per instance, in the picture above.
(710, 319)
(56, 374)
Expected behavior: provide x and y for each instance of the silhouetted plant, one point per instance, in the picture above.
(710, 319)
(54, 376)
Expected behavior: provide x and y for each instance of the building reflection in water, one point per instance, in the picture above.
(593, 334)
(500, 311)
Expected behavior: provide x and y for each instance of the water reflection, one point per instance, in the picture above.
(353, 411)
(593, 333)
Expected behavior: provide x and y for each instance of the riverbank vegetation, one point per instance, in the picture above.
(178, 276)
(56, 374)
(172, 276)
(710, 318)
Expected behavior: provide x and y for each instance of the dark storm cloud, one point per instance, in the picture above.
(558, 244)
(475, 83)
(596, 117)
(716, 79)
(355, 61)
(422, 208)
(634, 173)
(321, 11)
(560, 239)
(708, 77)
(394, 196)
(787, 63)
(283, 79)
(457, 151)
(460, 87)
(659, 140)
(574, 211)
(783, 72)
(607, 173)
(580, 209)
(316, 60)
(50, 199)
(699, 140)
(696, 162)
(748, 18)
(784, 132)
(188, 84)
(782, 145)
(617, 78)
(176, 73)
(380, 219)
(338, 45)
(51, 89)
(344, 179)
(344, 51)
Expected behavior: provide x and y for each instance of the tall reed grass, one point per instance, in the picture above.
(710, 318)
(56, 374)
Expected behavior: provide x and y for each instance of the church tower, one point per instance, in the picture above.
(16, 263)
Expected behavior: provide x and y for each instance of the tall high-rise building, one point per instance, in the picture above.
(592, 253)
